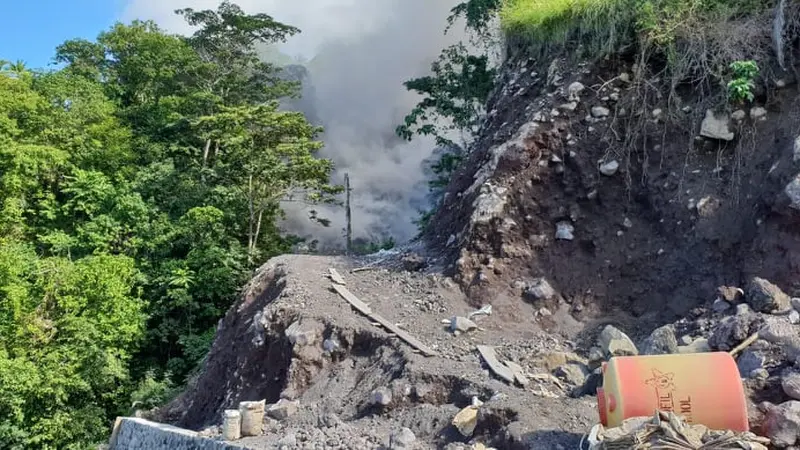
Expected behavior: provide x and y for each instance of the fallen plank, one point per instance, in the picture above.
(364, 309)
(335, 276)
(500, 369)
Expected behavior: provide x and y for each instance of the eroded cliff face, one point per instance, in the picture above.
(620, 202)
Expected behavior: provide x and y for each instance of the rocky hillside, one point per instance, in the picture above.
(593, 217)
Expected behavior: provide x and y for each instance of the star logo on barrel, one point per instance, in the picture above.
(661, 381)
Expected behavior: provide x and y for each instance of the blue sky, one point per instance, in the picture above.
(30, 30)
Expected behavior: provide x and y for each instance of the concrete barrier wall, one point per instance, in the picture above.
(132, 433)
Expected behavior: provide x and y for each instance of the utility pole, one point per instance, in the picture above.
(348, 216)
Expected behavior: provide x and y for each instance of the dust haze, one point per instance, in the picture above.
(358, 53)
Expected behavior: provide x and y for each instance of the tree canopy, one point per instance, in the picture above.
(139, 186)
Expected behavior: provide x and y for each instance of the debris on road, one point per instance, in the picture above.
(667, 430)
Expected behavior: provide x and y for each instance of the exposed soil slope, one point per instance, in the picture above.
(680, 216)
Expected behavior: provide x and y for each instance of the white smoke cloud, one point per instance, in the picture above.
(362, 51)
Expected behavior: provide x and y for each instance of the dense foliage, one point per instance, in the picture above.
(454, 94)
(139, 185)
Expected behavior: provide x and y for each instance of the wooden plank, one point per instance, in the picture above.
(364, 309)
(500, 369)
(335, 276)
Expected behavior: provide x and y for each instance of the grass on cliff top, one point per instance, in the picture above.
(598, 27)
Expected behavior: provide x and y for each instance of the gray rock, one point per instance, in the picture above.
(302, 333)
(743, 309)
(600, 111)
(288, 441)
(574, 90)
(791, 385)
(540, 289)
(699, 345)
(759, 374)
(794, 317)
(283, 409)
(402, 439)
(661, 341)
(738, 115)
(796, 149)
(716, 126)
(765, 297)
(461, 324)
(778, 330)
(330, 345)
(720, 306)
(413, 262)
(732, 330)
(782, 423)
(614, 342)
(564, 231)
(382, 396)
(686, 339)
(574, 374)
(749, 361)
(795, 303)
(758, 113)
(792, 191)
(610, 168)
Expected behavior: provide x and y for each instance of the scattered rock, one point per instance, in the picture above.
(574, 374)
(466, 420)
(758, 113)
(288, 441)
(778, 330)
(600, 111)
(657, 113)
(791, 385)
(662, 341)
(795, 303)
(610, 168)
(749, 361)
(720, 305)
(731, 331)
(564, 231)
(303, 332)
(614, 342)
(738, 115)
(794, 317)
(574, 90)
(699, 345)
(571, 106)
(730, 294)
(708, 205)
(796, 152)
(765, 297)
(743, 309)
(792, 191)
(461, 325)
(413, 262)
(716, 126)
(782, 423)
(402, 439)
(381, 396)
(540, 289)
(283, 409)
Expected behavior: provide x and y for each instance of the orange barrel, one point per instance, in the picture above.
(704, 388)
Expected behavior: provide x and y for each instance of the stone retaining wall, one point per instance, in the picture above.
(132, 433)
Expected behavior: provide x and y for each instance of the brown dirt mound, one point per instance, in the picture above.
(252, 359)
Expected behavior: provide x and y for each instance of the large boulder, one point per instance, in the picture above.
(765, 297)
